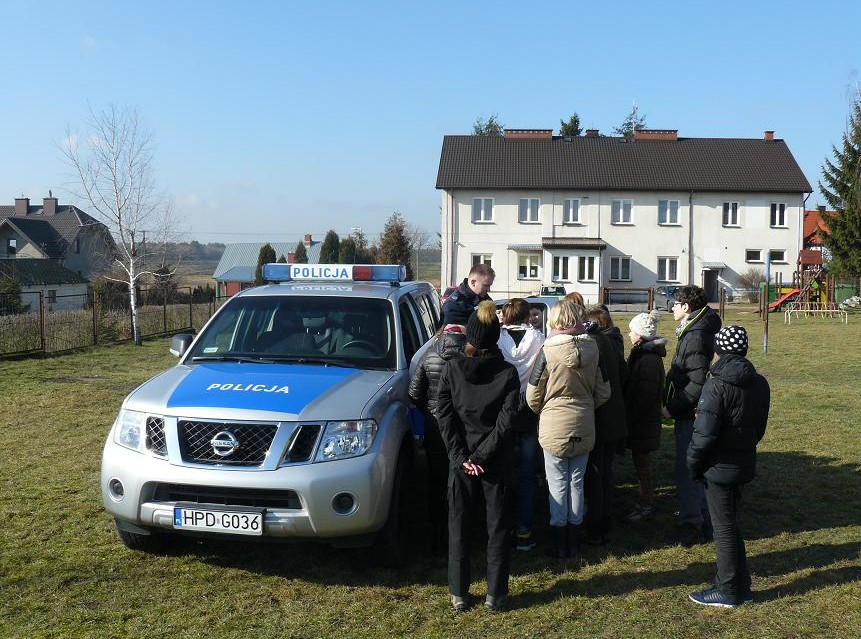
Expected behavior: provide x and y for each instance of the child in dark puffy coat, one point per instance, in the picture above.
(731, 418)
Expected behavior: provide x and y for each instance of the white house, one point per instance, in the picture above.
(595, 211)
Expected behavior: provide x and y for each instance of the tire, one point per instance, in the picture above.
(153, 543)
(390, 546)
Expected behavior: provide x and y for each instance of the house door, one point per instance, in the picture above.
(710, 285)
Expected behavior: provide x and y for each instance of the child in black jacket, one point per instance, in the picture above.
(731, 419)
(477, 402)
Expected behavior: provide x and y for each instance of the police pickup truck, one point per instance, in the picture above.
(287, 416)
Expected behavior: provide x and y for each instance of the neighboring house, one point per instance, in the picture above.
(61, 288)
(235, 270)
(812, 224)
(53, 249)
(593, 211)
(62, 234)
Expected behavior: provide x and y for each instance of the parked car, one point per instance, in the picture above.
(287, 416)
(542, 304)
(552, 291)
(665, 297)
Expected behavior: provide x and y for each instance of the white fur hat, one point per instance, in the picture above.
(645, 324)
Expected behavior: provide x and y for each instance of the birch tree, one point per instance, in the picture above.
(113, 164)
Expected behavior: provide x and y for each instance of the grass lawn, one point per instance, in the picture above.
(64, 573)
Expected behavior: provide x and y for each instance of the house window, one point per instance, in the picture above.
(11, 246)
(482, 258)
(482, 209)
(777, 256)
(620, 269)
(668, 269)
(586, 266)
(620, 212)
(77, 245)
(528, 266)
(571, 212)
(529, 211)
(668, 211)
(51, 296)
(560, 269)
(778, 214)
(753, 255)
(730, 213)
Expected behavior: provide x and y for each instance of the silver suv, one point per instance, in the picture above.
(287, 416)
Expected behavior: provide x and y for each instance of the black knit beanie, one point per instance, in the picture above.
(482, 328)
(731, 339)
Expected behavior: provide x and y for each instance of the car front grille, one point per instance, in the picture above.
(156, 442)
(214, 495)
(302, 443)
(195, 442)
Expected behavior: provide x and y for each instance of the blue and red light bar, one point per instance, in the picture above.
(280, 272)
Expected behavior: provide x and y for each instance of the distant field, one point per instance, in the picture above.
(63, 572)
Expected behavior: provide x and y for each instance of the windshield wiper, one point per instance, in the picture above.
(318, 361)
(255, 359)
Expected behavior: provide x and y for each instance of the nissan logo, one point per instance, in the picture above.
(224, 443)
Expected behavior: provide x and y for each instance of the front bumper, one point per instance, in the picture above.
(367, 478)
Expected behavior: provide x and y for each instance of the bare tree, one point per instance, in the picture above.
(113, 163)
(419, 240)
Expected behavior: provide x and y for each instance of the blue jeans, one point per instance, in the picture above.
(527, 460)
(692, 499)
(565, 483)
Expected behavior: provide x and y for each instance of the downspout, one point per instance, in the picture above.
(801, 223)
(691, 237)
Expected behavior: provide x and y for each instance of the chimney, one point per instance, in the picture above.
(591, 133)
(529, 134)
(769, 135)
(657, 134)
(307, 239)
(291, 257)
(49, 204)
(22, 205)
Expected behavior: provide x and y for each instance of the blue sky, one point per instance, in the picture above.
(275, 119)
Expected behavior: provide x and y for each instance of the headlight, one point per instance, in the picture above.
(130, 430)
(346, 439)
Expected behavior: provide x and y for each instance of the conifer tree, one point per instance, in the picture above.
(300, 256)
(266, 256)
(330, 249)
(395, 246)
(842, 191)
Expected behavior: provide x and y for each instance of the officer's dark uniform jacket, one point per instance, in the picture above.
(424, 384)
(463, 299)
(731, 419)
(691, 363)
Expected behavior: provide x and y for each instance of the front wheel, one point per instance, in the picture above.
(153, 543)
(390, 546)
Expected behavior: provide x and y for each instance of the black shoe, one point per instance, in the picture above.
(496, 604)
(714, 597)
(686, 535)
(745, 596)
(561, 549)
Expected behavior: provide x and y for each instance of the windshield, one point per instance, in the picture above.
(340, 331)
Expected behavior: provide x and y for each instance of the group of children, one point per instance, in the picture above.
(499, 395)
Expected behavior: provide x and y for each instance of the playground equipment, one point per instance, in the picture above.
(812, 292)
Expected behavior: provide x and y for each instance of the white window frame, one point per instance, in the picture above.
(749, 259)
(586, 271)
(670, 212)
(571, 211)
(482, 258)
(619, 210)
(778, 209)
(777, 256)
(562, 268)
(616, 264)
(530, 261)
(664, 271)
(730, 214)
(484, 216)
(527, 210)
(11, 246)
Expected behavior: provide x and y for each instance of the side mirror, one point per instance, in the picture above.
(180, 343)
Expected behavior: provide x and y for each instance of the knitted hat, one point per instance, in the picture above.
(645, 325)
(731, 339)
(482, 328)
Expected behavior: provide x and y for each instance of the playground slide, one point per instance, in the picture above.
(780, 300)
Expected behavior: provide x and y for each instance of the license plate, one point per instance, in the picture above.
(223, 521)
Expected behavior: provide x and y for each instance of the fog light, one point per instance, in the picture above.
(115, 487)
(344, 503)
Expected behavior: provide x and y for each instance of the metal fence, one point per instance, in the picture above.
(60, 323)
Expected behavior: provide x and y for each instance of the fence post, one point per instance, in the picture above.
(95, 318)
(190, 308)
(164, 310)
(43, 317)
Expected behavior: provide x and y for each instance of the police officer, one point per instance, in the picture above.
(472, 290)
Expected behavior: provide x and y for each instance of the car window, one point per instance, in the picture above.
(346, 331)
(426, 315)
(409, 330)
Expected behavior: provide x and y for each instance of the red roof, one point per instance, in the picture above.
(812, 223)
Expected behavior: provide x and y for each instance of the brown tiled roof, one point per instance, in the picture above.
(812, 223)
(611, 163)
(38, 272)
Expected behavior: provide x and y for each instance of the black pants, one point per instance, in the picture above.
(437, 459)
(733, 577)
(464, 496)
(598, 486)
